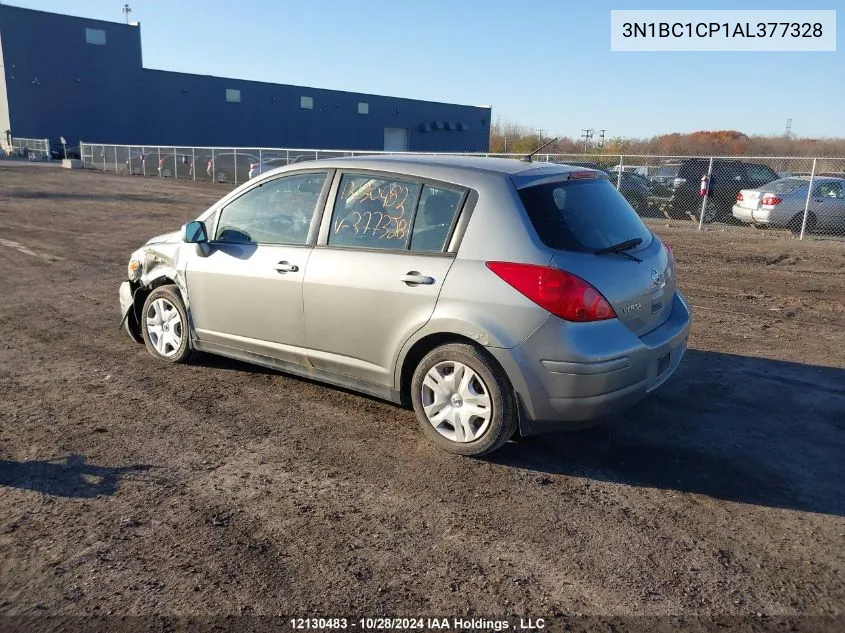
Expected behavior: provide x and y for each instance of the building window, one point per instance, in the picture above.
(363, 107)
(95, 36)
(233, 96)
(306, 103)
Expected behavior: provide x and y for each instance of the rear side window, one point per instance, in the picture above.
(830, 189)
(582, 215)
(372, 212)
(785, 185)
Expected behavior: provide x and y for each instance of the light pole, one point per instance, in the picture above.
(126, 10)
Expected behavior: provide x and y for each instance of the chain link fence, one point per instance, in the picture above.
(792, 195)
(30, 148)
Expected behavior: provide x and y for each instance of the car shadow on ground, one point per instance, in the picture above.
(71, 477)
(736, 428)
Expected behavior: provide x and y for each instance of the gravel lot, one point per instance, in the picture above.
(130, 487)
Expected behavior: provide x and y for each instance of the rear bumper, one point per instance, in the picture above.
(755, 216)
(606, 368)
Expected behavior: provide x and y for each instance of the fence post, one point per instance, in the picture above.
(175, 166)
(619, 175)
(213, 167)
(103, 148)
(807, 202)
(194, 162)
(235, 161)
(706, 195)
(260, 161)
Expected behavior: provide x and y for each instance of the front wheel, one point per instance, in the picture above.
(463, 400)
(164, 325)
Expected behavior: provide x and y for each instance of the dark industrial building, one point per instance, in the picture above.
(84, 80)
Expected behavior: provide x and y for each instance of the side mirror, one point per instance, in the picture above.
(195, 233)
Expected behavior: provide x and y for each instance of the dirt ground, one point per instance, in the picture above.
(130, 487)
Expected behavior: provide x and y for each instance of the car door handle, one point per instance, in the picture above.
(285, 267)
(414, 278)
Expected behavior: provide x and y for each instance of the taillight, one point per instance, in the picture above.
(771, 200)
(209, 164)
(669, 248)
(561, 293)
(253, 165)
(739, 197)
(161, 162)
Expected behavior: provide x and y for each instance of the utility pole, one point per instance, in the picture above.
(126, 10)
(788, 133)
(587, 136)
(601, 137)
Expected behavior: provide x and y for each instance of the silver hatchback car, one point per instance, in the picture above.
(490, 295)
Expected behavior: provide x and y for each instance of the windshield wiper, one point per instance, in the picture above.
(622, 247)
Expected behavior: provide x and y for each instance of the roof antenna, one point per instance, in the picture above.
(527, 157)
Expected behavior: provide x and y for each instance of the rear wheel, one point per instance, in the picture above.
(795, 223)
(463, 400)
(711, 212)
(222, 175)
(164, 325)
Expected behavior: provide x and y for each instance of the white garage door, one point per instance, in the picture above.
(395, 139)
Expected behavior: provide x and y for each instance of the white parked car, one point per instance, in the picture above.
(781, 204)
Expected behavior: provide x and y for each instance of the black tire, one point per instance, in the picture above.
(712, 212)
(796, 222)
(503, 417)
(180, 353)
(674, 213)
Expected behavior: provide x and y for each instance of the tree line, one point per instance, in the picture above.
(515, 138)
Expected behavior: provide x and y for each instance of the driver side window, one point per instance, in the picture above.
(279, 211)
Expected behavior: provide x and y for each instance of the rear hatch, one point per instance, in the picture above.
(582, 216)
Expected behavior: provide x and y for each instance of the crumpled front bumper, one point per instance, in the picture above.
(129, 319)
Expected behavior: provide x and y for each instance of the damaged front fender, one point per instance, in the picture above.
(160, 263)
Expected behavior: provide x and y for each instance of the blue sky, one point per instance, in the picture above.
(546, 64)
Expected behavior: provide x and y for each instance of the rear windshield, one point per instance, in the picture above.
(785, 185)
(582, 215)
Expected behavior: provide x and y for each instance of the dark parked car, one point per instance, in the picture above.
(729, 177)
(635, 189)
(663, 179)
